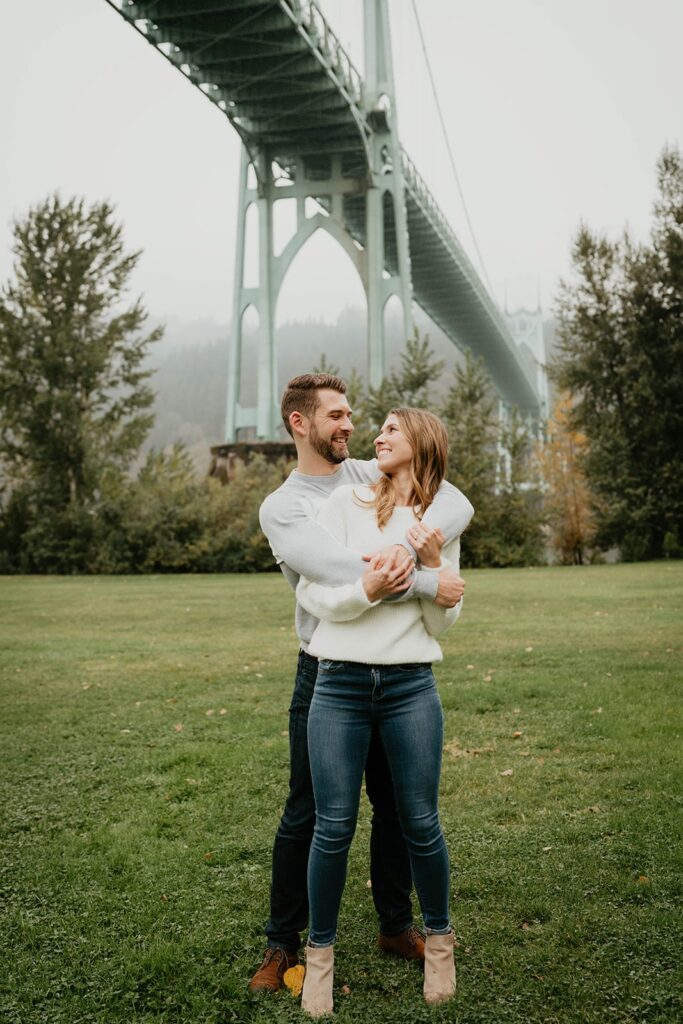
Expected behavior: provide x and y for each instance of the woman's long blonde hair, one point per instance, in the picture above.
(428, 439)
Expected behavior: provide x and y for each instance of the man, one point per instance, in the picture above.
(317, 415)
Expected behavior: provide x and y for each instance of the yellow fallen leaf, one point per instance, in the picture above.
(178, 727)
(516, 735)
(507, 772)
(294, 979)
(528, 650)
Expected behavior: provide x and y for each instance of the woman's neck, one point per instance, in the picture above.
(402, 485)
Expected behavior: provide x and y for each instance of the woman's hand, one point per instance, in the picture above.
(380, 580)
(427, 544)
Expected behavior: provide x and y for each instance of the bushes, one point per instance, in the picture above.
(164, 521)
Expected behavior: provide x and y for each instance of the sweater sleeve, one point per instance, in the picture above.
(333, 604)
(338, 603)
(305, 544)
(437, 619)
(450, 511)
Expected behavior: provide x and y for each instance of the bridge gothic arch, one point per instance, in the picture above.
(259, 194)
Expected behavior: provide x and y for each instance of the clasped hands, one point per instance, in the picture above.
(389, 569)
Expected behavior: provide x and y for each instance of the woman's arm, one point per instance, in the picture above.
(435, 618)
(333, 604)
(450, 511)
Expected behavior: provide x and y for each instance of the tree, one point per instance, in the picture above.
(567, 500)
(73, 392)
(469, 412)
(407, 386)
(516, 530)
(169, 521)
(490, 462)
(621, 360)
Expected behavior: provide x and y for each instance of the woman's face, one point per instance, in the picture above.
(392, 446)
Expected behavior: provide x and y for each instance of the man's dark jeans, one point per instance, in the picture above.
(389, 861)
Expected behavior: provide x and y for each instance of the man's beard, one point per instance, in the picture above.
(326, 448)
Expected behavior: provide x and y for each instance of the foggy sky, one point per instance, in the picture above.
(556, 112)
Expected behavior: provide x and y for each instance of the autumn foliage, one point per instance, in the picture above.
(567, 499)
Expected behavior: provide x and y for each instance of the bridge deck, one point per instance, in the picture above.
(278, 72)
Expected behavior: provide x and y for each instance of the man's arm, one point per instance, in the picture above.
(450, 511)
(306, 546)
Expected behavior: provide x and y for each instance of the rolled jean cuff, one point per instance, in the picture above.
(439, 931)
(321, 945)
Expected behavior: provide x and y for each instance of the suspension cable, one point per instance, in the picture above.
(448, 146)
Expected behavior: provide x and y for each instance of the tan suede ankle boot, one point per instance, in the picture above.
(316, 996)
(439, 983)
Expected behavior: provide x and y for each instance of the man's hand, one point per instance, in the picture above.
(427, 544)
(395, 556)
(450, 590)
(380, 581)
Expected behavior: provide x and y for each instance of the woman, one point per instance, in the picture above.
(375, 671)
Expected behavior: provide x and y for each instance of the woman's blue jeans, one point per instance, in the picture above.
(401, 702)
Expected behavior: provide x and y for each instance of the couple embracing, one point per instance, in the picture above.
(372, 550)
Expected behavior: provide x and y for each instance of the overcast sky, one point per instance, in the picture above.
(556, 112)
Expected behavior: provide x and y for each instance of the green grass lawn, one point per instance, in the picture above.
(144, 767)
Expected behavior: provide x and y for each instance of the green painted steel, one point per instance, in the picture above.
(312, 126)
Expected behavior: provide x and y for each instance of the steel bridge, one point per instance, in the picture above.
(313, 128)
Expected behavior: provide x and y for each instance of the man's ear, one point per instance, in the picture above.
(298, 423)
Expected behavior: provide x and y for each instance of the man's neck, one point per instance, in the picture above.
(311, 464)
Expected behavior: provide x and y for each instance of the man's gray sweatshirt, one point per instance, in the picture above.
(304, 548)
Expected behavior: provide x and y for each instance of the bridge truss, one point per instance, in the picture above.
(313, 128)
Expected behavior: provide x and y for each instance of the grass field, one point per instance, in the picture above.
(144, 765)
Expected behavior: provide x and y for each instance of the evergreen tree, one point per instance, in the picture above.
(73, 392)
(469, 412)
(621, 359)
(407, 386)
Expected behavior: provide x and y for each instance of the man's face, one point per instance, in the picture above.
(331, 426)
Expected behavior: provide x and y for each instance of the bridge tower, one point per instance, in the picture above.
(343, 188)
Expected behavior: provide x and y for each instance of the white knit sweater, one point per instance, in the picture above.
(351, 627)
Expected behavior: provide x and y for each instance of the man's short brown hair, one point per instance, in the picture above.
(301, 394)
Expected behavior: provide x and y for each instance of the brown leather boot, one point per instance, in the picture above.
(409, 944)
(269, 977)
(439, 983)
